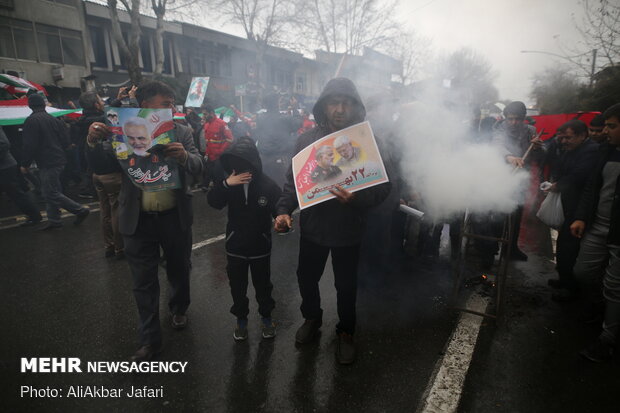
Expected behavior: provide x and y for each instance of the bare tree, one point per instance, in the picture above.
(413, 51)
(600, 38)
(130, 50)
(346, 26)
(263, 22)
(470, 74)
(556, 90)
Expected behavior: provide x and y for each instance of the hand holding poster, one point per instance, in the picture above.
(138, 139)
(349, 158)
(197, 92)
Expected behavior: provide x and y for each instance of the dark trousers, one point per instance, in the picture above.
(142, 252)
(108, 187)
(516, 226)
(54, 198)
(9, 183)
(260, 268)
(567, 249)
(312, 260)
(212, 172)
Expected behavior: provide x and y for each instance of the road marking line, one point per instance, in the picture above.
(208, 241)
(444, 391)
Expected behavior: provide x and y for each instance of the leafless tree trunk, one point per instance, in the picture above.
(600, 32)
(263, 22)
(179, 8)
(159, 8)
(129, 50)
(346, 26)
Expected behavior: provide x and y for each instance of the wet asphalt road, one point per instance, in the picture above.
(61, 298)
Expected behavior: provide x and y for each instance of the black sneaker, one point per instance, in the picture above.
(345, 352)
(241, 332)
(48, 226)
(598, 351)
(308, 331)
(31, 222)
(81, 216)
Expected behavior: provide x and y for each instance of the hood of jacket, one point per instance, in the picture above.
(243, 148)
(338, 86)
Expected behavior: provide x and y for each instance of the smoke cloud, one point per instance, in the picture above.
(442, 161)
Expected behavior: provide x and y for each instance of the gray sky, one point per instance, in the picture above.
(499, 30)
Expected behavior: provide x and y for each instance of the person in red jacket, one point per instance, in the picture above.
(217, 138)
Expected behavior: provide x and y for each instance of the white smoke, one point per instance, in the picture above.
(449, 171)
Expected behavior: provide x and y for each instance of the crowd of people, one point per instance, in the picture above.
(244, 165)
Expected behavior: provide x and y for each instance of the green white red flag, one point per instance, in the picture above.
(17, 85)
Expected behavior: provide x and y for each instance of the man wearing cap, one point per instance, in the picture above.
(332, 227)
(45, 141)
(513, 138)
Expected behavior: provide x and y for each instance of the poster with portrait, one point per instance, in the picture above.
(197, 92)
(138, 139)
(349, 158)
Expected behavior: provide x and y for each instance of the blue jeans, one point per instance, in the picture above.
(54, 198)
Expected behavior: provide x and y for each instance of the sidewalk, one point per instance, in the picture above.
(529, 361)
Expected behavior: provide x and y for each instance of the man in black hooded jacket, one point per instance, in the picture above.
(334, 226)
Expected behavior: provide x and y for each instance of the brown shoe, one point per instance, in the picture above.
(179, 321)
(345, 352)
(308, 331)
(146, 353)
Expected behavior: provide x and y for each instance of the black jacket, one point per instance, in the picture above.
(45, 140)
(571, 173)
(6, 159)
(273, 134)
(101, 159)
(248, 231)
(332, 223)
(586, 211)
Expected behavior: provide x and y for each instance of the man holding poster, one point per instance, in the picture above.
(336, 222)
(150, 219)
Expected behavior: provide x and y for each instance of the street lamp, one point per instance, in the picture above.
(569, 58)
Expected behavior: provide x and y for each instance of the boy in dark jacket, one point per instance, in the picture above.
(251, 198)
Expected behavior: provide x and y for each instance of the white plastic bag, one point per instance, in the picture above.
(550, 211)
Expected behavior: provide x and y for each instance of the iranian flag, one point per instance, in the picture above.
(17, 85)
(15, 112)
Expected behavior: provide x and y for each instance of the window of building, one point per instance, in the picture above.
(145, 50)
(50, 49)
(72, 47)
(60, 45)
(300, 84)
(6, 42)
(99, 47)
(167, 57)
(17, 39)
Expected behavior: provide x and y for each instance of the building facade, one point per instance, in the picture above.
(67, 46)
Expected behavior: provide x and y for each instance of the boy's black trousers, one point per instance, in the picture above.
(260, 269)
